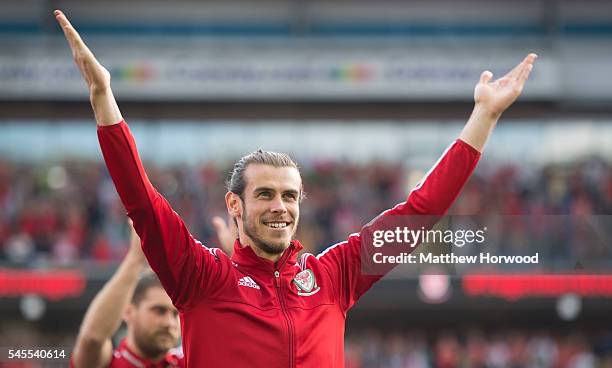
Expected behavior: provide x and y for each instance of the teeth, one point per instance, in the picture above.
(277, 225)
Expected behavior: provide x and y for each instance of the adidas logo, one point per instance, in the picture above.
(247, 281)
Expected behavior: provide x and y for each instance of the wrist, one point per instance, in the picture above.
(96, 91)
(485, 112)
(135, 262)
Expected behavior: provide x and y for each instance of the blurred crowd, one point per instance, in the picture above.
(375, 348)
(476, 349)
(64, 212)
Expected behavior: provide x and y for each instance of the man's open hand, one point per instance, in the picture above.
(226, 233)
(498, 95)
(96, 76)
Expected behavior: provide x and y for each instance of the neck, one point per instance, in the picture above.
(131, 343)
(263, 254)
(246, 241)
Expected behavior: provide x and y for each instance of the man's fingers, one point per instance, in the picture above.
(532, 57)
(486, 77)
(516, 71)
(63, 22)
(522, 78)
(61, 18)
(74, 40)
(520, 69)
(527, 68)
(84, 58)
(73, 37)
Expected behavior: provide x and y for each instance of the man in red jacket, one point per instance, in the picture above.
(152, 321)
(268, 308)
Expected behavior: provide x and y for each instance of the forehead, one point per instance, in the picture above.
(156, 296)
(279, 178)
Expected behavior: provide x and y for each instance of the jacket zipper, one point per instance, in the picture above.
(287, 318)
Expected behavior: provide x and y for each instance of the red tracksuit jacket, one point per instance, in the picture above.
(246, 311)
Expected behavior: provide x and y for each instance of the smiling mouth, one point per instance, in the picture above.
(165, 335)
(277, 225)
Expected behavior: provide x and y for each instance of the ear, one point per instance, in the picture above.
(128, 312)
(234, 204)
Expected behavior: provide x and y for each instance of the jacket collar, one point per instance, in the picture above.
(137, 361)
(244, 256)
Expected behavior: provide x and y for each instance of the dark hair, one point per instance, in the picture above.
(147, 280)
(237, 183)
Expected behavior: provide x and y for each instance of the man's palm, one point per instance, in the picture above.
(96, 76)
(498, 95)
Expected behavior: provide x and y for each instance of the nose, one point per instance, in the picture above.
(170, 320)
(277, 205)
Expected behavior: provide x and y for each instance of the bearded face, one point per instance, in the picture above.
(154, 323)
(270, 209)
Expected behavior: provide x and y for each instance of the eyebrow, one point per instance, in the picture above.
(161, 306)
(264, 189)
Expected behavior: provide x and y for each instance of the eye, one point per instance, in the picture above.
(264, 195)
(290, 196)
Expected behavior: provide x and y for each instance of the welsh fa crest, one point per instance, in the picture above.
(306, 283)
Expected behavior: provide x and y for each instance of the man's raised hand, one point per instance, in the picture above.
(496, 96)
(135, 249)
(97, 77)
(492, 99)
(226, 233)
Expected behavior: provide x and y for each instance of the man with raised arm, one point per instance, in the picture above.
(152, 320)
(269, 308)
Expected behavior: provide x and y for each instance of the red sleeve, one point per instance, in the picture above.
(184, 266)
(432, 196)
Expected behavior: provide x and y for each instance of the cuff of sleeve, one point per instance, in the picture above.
(470, 148)
(112, 126)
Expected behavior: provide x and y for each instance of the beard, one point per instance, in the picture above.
(150, 346)
(251, 230)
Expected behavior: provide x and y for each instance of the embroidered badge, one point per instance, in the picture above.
(306, 283)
